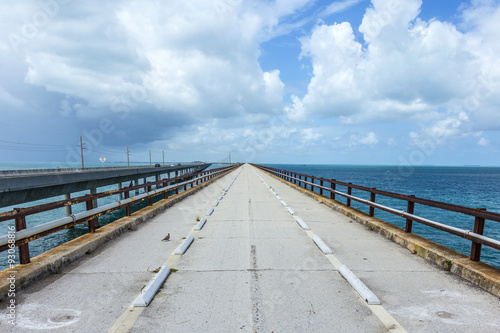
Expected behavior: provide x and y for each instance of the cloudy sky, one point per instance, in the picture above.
(271, 81)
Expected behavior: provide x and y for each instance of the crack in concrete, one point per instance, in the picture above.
(257, 314)
(256, 295)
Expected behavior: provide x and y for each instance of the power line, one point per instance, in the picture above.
(32, 144)
(31, 149)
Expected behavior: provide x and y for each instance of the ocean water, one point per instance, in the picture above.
(46, 243)
(475, 187)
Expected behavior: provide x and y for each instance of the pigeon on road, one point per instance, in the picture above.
(167, 238)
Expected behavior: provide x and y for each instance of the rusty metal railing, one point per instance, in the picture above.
(24, 235)
(475, 235)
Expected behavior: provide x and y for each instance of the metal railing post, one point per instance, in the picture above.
(165, 193)
(372, 199)
(90, 205)
(475, 252)
(333, 187)
(24, 250)
(409, 210)
(127, 208)
(349, 191)
(321, 188)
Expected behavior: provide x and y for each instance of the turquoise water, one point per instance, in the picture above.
(476, 187)
(46, 243)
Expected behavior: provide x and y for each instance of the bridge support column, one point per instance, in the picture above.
(67, 196)
(136, 182)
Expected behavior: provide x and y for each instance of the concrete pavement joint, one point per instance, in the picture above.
(254, 270)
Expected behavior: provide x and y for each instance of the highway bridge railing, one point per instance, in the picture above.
(328, 188)
(164, 187)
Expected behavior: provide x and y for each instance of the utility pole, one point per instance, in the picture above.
(163, 157)
(150, 157)
(81, 151)
(128, 160)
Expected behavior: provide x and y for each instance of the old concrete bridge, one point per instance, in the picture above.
(247, 253)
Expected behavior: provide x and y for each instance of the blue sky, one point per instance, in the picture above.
(285, 81)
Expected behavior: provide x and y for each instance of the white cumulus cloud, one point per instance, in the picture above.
(434, 73)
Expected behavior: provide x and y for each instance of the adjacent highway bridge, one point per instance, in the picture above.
(19, 186)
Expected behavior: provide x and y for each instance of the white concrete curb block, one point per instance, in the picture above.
(220, 197)
(210, 211)
(302, 224)
(323, 247)
(216, 203)
(291, 211)
(200, 224)
(184, 246)
(283, 203)
(278, 197)
(359, 286)
(150, 291)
